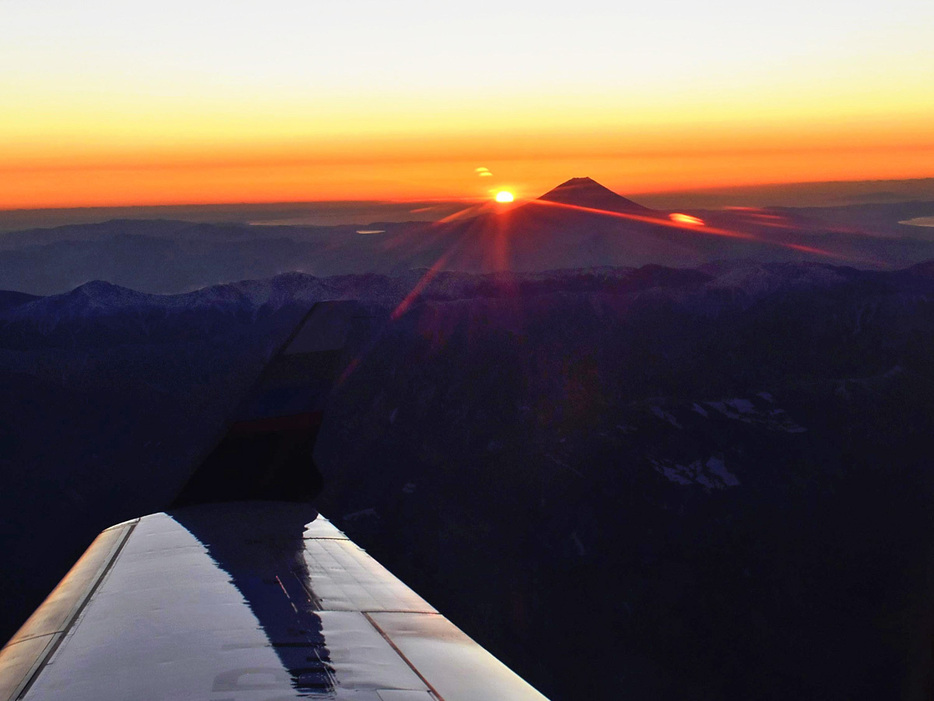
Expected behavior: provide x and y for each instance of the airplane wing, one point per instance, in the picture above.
(242, 591)
(259, 601)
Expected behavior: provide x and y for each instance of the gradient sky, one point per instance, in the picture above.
(106, 103)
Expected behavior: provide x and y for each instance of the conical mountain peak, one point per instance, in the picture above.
(587, 192)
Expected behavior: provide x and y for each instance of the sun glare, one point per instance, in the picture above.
(504, 196)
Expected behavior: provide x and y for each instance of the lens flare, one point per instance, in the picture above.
(686, 219)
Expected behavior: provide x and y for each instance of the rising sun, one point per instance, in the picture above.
(504, 196)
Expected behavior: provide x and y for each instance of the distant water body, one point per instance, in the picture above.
(919, 221)
(269, 214)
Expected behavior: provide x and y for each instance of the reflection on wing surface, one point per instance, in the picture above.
(262, 602)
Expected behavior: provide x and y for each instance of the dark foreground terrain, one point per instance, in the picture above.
(653, 483)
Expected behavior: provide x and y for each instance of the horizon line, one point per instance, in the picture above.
(712, 191)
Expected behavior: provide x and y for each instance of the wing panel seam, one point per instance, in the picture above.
(434, 691)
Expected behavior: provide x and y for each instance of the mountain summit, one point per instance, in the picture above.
(586, 192)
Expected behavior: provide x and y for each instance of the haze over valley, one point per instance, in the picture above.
(578, 224)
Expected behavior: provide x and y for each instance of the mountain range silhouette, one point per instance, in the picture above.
(578, 224)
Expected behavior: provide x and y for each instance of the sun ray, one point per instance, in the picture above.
(705, 229)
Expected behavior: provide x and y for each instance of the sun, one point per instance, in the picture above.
(504, 196)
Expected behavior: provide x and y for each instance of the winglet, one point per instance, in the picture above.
(266, 452)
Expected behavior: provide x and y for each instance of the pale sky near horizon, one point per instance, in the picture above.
(106, 102)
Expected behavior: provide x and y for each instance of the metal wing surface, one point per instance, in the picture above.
(259, 601)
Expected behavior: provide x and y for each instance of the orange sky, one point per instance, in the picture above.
(118, 104)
